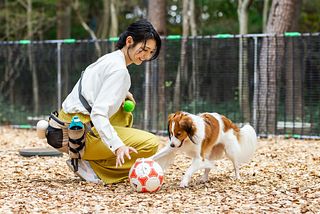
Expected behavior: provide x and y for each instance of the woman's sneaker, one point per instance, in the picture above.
(85, 172)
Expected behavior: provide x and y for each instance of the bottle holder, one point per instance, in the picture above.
(76, 133)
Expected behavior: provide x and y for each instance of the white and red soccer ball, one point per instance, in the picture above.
(146, 175)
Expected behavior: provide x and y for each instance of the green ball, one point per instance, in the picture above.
(128, 106)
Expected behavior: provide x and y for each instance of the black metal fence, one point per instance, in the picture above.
(271, 81)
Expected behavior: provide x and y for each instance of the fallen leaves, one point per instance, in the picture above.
(283, 177)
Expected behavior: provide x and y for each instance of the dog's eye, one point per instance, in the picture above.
(178, 134)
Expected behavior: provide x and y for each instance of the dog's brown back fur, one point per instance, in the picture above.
(212, 130)
(228, 124)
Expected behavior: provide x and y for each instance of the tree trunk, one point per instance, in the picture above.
(293, 77)
(182, 74)
(157, 16)
(64, 32)
(7, 19)
(279, 21)
(193, 26)
(193, 87)
(103, 27)
(11, 73)
(32, 67)
(114, 19)
(114, 22)
(243, 7)
(265, 15)
(8, 71)
(63, 19)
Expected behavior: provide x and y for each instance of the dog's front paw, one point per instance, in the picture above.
(184, 183)
(204, 178)
(236, 177)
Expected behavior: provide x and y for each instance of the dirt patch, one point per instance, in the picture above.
(283, 177)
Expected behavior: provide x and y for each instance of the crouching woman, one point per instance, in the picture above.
(110, 146)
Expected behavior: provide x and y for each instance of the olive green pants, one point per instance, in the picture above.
(102, 159)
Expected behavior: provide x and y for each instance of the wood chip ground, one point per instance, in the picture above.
(283, 177)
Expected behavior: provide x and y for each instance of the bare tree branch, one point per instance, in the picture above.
(75, 6)
(23, 4)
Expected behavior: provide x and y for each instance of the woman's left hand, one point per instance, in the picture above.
(124, 151)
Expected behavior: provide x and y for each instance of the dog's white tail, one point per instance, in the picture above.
(248, 143)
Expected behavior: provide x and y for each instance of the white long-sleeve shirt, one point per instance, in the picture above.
(105, 84)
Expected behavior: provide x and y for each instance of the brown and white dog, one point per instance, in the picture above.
(206, 137)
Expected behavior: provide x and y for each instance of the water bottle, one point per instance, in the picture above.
(76, 123)
(76, 128)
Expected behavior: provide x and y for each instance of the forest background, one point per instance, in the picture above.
(79, 19)
(104, 19)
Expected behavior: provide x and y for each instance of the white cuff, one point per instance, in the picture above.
(113, 144)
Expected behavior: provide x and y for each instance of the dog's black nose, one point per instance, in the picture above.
(172, 145)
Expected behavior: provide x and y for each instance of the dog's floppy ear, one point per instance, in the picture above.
(186, 123)
(170, 117)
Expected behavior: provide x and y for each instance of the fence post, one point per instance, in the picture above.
(154, 77)
(147, 97)
(59, 75)
(255, 83)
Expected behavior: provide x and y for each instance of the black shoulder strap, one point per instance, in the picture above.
(82, 99)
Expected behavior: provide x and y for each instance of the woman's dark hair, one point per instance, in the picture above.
(141, 31)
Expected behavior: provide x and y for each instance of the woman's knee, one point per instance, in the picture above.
(153, 143)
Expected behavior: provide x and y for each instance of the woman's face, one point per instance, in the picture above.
(141, 52)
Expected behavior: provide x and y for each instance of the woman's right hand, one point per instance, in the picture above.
(130, 97)
(124, 151)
